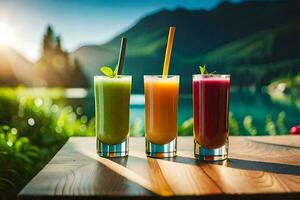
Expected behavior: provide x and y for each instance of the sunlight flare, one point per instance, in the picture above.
(7, 34)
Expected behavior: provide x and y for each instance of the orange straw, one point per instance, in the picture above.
(168, 51)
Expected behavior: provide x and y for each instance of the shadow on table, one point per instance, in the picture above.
(278, 168)
(274, 144)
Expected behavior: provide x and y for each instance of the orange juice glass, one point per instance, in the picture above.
(161, 106)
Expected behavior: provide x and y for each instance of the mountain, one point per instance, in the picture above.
(92, 56)
(201, 36)
(260, 57)
(14, 68)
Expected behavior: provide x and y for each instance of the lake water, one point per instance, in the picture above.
(243, 103)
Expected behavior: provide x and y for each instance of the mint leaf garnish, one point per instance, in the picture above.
(203, 70)
(107, 71)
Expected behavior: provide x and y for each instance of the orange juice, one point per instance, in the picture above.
(161, 105)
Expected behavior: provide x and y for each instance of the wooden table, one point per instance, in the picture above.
(258, 168)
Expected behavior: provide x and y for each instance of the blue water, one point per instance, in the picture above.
(244, 103)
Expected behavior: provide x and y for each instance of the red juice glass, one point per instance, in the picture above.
(210, 108)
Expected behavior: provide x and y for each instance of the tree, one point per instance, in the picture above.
(54, 65)
(48, 42)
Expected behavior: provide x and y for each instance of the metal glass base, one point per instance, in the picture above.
(161, 150)
(112, 150)
(202, 153)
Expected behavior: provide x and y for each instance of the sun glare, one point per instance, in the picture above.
(7, 35)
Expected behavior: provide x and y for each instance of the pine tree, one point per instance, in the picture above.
(48, 39)
(54, 64)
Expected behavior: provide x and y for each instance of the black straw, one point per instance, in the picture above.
(122, 55)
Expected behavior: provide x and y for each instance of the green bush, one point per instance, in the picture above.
(21, 158)
(186, 128)
(33, 126)
(246, 128)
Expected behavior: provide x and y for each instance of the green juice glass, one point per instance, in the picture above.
(112, 101)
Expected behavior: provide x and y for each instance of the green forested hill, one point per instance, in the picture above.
(259, 58)
(251, 40)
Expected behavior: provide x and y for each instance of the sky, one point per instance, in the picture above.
(23, 23)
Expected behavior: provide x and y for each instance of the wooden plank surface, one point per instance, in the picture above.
(258, 167)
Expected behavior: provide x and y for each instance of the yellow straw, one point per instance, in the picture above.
(168, 51)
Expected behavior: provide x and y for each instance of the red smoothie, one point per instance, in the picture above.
(211, 105)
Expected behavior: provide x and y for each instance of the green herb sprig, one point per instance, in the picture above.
(107, 71)
(203, 70)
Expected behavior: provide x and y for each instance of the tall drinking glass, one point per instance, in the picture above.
(210, 106)
(112, 101)
(161, 105)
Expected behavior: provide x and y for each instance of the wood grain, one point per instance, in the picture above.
(258, 168)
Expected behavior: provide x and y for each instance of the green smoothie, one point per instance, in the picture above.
(112, 98)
